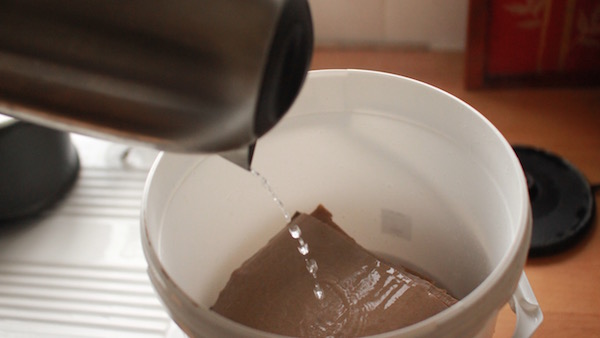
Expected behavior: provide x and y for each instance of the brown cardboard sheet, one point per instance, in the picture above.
(363, 294)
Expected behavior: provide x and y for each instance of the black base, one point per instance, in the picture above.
(38, 167)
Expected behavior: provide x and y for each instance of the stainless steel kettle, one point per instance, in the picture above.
(178, 75)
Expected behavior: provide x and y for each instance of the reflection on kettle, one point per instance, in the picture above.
(178, 75)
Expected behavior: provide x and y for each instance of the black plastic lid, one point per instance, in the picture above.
(562, 201)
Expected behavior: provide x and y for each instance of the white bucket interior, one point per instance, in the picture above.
(407, 170)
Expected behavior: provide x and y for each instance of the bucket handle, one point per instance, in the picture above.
(524, 304)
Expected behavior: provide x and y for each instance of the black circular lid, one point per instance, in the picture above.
(562, 201)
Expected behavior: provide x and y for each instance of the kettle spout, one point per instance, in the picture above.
(242, 156)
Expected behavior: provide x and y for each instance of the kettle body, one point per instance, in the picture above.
(178, 75)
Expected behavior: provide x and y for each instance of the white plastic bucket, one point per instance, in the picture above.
(408, 170)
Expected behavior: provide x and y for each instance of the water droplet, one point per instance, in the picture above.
(312, 267)
(318, 291)
(303, 249)
(295, 231)
(276, 199)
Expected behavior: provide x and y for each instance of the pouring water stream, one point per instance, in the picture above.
(296, 233)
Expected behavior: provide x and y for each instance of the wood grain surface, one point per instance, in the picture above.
(565, 121)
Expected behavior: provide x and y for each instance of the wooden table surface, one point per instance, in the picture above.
(565, 121)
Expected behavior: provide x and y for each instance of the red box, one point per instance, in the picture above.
(547, 42)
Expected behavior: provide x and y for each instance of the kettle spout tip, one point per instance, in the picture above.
(241, 157)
